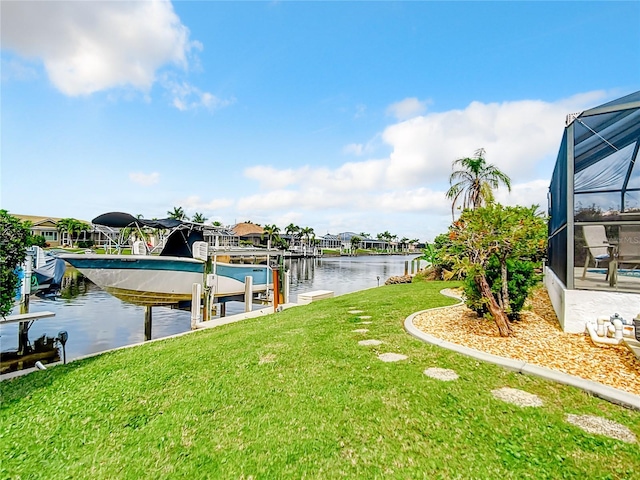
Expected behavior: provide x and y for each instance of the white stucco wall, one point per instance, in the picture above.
(577, 307)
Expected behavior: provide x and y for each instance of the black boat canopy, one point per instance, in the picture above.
(123, 220)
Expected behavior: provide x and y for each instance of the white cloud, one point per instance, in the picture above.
(272, 178)
(521, 138)
(92, 46)
(361, 111)
(353, 149)
(407, 108)
(194, 204)
(526, 194)
(518, 136)
(423, 200)
(18, 70)
(185, 96)
(360, 149)
(144, 179)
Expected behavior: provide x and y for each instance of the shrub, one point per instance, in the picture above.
(13, 243)
(521, 278)
(37, 240)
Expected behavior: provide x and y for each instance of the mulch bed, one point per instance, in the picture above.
(537, 339)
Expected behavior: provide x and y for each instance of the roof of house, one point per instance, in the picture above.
(39, 220)
(247, 229)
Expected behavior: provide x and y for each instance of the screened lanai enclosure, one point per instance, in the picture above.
(594, 200)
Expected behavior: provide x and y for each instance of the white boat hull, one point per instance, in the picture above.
(155, 280)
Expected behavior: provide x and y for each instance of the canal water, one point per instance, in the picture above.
(96, 321)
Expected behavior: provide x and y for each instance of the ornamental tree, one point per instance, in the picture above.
(503, 233)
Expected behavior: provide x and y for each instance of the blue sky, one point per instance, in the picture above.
(341, 116)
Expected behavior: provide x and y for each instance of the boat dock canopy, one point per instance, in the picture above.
(123, 220)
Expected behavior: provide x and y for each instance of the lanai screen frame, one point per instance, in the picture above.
(562, 194)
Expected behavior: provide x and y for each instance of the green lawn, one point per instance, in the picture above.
(293, 395)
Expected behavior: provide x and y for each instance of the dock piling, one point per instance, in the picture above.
(276, 288)
(196, 295)
(248, 293)
(148, 318)
(287, 286)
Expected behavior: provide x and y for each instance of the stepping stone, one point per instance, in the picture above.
(443, 374)
(365, 317)
(517, 397)
(392, 357)
(360, 330)
(365, 323)
(268, 358)
(602, 426)
(366, 343)
(355, 311)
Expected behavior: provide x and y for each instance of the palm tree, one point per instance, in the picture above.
(72, 227)
(308, 233)
(271, 231)
(177, 214)
(355, 243)
(404, 244)
(198, 218)
(386, 237)
(292, 230)
(217, 223)
(476, 180)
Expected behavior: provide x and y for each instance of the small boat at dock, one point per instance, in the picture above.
(190, 253)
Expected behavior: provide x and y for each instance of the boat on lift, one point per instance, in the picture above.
(190, 253)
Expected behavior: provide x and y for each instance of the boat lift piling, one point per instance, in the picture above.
(209, 286)
(286, 287)
(276, 288)
(196, 294)
(148, 320)
(248, 293)
(25, 292)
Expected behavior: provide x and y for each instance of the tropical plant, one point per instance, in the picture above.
(355, 243)
(13, 243)
(430, 253)
(72, 227)
(308, 234)
(522, 277)
(37, 240)
(198, 218)
(272, 233)
(294, 231)
(489, 234)
(216, 223)
(387, 237)
(177, 214)
(475, 181)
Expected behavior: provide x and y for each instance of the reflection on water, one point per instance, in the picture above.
(96, 321)
(343, 274)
